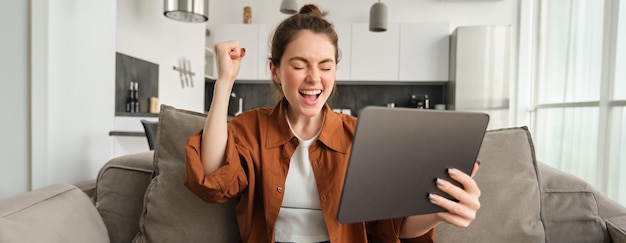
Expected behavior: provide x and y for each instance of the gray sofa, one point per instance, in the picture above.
(141, 198)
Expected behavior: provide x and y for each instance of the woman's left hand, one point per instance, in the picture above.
(463, 212)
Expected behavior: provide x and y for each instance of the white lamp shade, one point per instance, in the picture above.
(194, 11)
(289, 6)
(378, 17)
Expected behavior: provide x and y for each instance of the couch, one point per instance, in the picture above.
(141, 198)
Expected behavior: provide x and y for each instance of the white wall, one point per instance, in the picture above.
(143, 32)
(14, 99)
(80, 106)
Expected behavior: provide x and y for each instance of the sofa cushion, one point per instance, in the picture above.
(569, 206)
(171, 212)
(57, 213)
(510, 202)
(121, 185)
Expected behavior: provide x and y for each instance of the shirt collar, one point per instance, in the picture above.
(332, 134)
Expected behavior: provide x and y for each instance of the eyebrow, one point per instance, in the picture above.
(306, 61)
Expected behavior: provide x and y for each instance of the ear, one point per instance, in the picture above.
(275, 70)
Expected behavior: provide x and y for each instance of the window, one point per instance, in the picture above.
(579, 120)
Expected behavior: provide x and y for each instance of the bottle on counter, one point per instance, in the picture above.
(426, 102)
(136, 97)
(130, 101)
(413, 101)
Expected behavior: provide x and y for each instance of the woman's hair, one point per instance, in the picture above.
(308, 18)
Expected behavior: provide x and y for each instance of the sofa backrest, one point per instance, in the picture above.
(59, 213)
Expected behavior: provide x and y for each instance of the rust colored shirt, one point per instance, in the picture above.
(258, 151)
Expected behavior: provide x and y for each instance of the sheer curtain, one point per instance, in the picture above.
(579, 121)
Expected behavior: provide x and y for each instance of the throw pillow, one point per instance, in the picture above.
(171, 212)
(510, 203)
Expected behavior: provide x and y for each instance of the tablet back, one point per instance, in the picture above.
(396, 155)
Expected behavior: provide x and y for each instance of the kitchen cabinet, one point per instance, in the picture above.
(408, 52)
(248, 37)
(424, 52)
(263, 61)
(344, 32)
(374, 55)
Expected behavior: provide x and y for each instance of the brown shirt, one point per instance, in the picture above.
(258, 151)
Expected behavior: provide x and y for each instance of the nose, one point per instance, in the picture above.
(314, 75)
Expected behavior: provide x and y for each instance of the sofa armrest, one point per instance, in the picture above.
(617, 228)
(120, 189)
(56, 213)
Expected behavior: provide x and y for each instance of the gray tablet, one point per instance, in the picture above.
(396, 155)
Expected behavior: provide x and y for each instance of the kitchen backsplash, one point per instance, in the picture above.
(348, 96)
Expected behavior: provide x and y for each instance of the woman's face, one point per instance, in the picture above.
(307, 73)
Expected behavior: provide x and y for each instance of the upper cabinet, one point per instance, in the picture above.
(248, 37)
(374, 55)
(408, 52)
(344, 33)
(424, 52)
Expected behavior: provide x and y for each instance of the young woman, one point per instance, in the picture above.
(287, 164)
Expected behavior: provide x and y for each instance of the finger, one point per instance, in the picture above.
(237, 53)
(468, 182)
(463, 197)
(475, 169)
(456, 214)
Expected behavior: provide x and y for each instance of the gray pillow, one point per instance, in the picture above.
(171, 212)
(510, 203)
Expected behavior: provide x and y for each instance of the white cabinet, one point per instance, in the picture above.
(424, 52)
(374, 55)
(344, 32)
(263, 61)
(248, 37)
(407, 52)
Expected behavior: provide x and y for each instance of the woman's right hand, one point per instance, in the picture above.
(228, 55)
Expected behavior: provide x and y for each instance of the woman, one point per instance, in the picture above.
(287, 164)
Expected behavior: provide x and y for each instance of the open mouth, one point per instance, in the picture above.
(311, 92)
(310, 96)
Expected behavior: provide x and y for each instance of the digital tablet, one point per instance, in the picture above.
(397, 154)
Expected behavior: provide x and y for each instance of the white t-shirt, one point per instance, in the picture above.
(300, 218)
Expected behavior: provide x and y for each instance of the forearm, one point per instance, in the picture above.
(215, 134)
(418, 225)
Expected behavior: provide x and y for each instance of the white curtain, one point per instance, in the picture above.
(579, 91)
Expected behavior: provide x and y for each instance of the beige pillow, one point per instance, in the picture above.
(510, 203)
(171, 212)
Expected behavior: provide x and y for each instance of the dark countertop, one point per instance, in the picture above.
(127, 133)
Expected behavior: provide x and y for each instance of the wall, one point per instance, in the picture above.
(14, 98)
(80, 88)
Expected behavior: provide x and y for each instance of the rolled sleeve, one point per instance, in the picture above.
(221, 185)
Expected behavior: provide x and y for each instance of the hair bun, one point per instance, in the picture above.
(311, 9)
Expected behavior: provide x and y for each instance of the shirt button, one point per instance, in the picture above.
(279, 189)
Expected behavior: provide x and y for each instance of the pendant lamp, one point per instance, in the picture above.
(378, 17)
(289, 6)
(194, 11)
